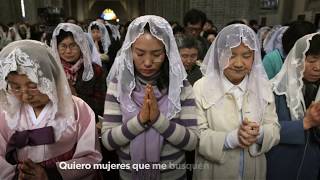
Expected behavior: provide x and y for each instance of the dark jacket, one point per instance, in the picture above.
(194, 74)
(298, 154)
(93, 92)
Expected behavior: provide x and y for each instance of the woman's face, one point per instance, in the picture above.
(312, 68)
(240, 63)
(69, 50)
(148, 54)
(96, 34)
(26, 91)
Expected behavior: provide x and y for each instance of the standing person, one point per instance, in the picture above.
(149, 115)
(102, 42)
(262, 33)
(194, 21)
(41, 123)
(236, 109)
(189, 51)
(86, 79)
(274, 60)
(297, 99)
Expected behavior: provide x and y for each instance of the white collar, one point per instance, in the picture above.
(228, 86)
(36, 120)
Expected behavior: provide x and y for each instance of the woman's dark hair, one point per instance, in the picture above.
(62, 35)
(296, 30)
(95, 26)
(314, 48)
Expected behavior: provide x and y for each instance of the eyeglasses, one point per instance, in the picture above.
(64, 47)
(19, 91)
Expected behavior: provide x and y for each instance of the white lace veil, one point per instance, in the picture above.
(274, 40)
(289, 81)
(95, 55)
(81, 39)
(123, 68)
(17, 35)
(105, 39)
(35, 59)
(261, 32)
(217, 59)
(115, 30)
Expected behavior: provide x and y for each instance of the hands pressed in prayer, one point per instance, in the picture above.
(30, 170)
(153, 104)
(248, 133)
(149, 111)
(312, 116)
(145, 110)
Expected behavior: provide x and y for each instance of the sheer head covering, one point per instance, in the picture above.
(3, 38)
(35, 60)
(274, 41)
(123, 68)
(115, 30)
(105, 39)
(289, 81)
(94, 52)
(263, 32)
(81, 40)
(14, 30)
(217, 59)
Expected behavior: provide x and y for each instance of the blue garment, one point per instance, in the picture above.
(284, 161)
(272, 63)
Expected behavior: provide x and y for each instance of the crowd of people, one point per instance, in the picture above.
(238, 103)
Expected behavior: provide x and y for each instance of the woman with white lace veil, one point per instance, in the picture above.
(274, 60)
(149, 115)
(41, 123)
(94, 52)
(13, 34)
(236, 109)
(297, 94)
(101, 39)
(87, 79)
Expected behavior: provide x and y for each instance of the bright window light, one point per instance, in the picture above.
(23, 12)
(108, 14)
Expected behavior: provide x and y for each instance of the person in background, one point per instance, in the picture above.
(102, 42)
(115, 39)
(262, 33)
(149, 115)
(283, 43)
(189, 51)
(296, 87)
(3, 36)
(86, 79)
(254, 25)
(42, 124)
(210, 35)
(71, 20)
(94, 52)
(193, 22)
(235, 109)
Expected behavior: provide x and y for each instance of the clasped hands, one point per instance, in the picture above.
(248, 133)
(31, 170)
(312, 116)
(149, 111)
